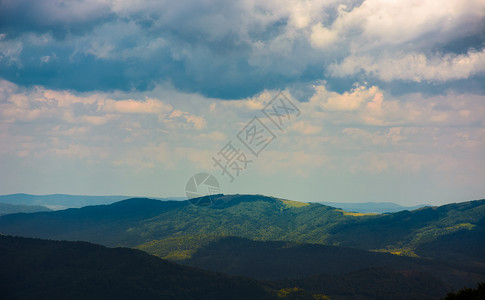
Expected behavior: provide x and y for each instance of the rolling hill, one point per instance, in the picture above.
(41, 269)
(372, 284)
(446, 242)
(134, 222)
(279, 260)
(283, 260)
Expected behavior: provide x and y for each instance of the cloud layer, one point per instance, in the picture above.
(361, 132)
(239, 48)
(128, 97)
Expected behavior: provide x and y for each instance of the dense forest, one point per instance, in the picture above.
(300, 248)
(40, 269)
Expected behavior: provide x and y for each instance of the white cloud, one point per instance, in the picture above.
(149, 106)
(364, 131)
(347, 101)
(213, 136)
(305, 128)
(254, 103)
(72, 11)
(63, 98)
(86, 108)
(246, 43)
(10, 49)
(322, 37)
(371, 106)
(7, 88)
(240, 48)
(198, 121)
(380, 23)
(70, 117)
(414, 67)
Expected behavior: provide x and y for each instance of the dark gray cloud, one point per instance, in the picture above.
(225, 49)
(59, 18)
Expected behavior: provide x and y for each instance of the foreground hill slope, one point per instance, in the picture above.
(281, 260)
(40, 269)
(372, 284)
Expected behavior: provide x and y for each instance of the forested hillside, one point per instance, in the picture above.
(40, 269)
(135, 222)
(270, 238)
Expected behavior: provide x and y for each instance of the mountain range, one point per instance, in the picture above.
(318, 248)
(63, 201)
(372, 207)
(59, 201)
(6, 209)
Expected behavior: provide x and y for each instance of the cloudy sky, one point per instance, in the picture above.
(106, 97)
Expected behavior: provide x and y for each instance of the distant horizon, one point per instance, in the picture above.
(351, 101)
(182, 198)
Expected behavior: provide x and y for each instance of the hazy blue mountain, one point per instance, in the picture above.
(103, 224)
(59, 201)
(6, 209)
(372, 207)
(63, 201)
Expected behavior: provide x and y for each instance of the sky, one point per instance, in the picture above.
(343, 101)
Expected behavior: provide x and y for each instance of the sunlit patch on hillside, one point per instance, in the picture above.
(294, 204)
(178, 248)
(348, 213)
(429, 234)
(398, 251)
